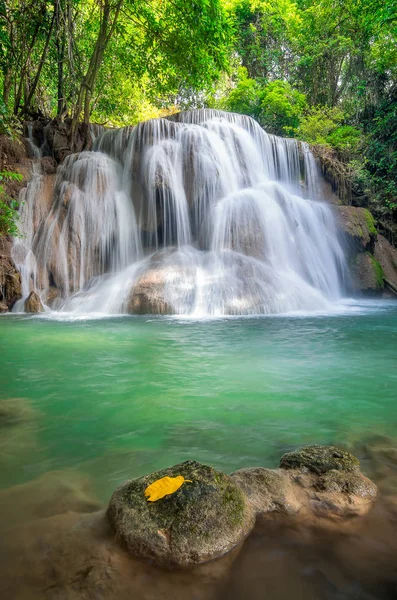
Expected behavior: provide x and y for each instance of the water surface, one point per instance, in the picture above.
(119, 397)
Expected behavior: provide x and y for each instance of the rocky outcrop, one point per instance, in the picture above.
(205, 518)
(320, 460)
(10, 278)
(358, 228)
(211, 512)
(164, 287)
(367, 274)
(360, 238)
(55, 137)
(312, 483)
(33, 303)
(386, 256)
(268, 490)
(58, 543)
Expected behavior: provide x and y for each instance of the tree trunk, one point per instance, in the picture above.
(107, 24)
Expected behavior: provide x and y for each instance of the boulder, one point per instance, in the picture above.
(328, 483)
(367, 274)
(205, 518)
(386, 256)
(33, 303)
(358, 228)
(167, 286)
(3, 307)
(320, 460)
(268, 490)
(148, 294)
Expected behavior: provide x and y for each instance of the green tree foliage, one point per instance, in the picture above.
(61, 57)
(341, 55)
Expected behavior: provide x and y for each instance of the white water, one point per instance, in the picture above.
(200, 214)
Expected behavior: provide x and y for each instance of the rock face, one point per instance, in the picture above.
(358, 227)
(360, 239)
(386, 256)
(10, 282)
(367, 273)
(33, 303)
(203, 519)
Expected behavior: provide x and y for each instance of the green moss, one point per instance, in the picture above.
(370, 222)
(320, 459)
(379, 274)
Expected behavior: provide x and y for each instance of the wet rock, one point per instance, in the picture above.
(48, 165)
(386, 256)
(10, 282)
(368, 276)
(203, 519)
(320, 459)
(148, 294)
(33, 303)
(358, 228)
(268, 490)
(328, 483)
(166, 287)
(3, 307)
(353, 483)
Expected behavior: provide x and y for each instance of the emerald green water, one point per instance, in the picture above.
(119, 397)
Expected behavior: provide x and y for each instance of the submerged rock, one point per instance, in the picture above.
(33, 303)
(320, 459)
(205, 518)
(54, 493)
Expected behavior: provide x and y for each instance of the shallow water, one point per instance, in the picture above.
(119, 397)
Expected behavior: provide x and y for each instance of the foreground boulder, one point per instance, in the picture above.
(328, 482)
(205, 518)
(320, 460)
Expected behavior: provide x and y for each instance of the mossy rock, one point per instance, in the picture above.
(348, 483)
(320, 460)
(358, 227)
(367, 273)
(203, 519)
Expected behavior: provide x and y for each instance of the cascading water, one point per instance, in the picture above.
(202, 213)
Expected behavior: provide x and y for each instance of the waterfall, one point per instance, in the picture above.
(202, 213)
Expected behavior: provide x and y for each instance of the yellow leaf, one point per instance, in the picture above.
(163, 487)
